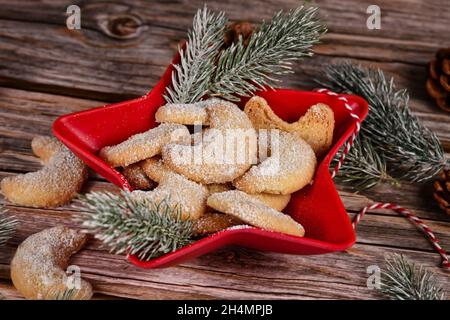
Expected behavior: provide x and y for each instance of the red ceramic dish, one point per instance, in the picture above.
(317, 207)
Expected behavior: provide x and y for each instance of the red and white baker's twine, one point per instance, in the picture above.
(350, 142)
(378, 205)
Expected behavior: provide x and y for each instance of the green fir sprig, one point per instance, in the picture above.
(411, 151)
(191, 77)
(8, 225)
(363, 166)
(288, 36)
(138, 227)
(404, 280)
(204, 70)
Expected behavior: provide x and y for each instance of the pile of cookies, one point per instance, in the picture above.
(223, 166)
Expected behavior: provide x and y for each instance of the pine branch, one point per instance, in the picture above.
(8, 225)
(191, 76)
(363, 168)
(137, 227)
(405, 281)
(412, 152)
(289, 36)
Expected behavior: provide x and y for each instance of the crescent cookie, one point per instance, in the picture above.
(155, 169)
(38, 269)
(289, 167)
(184, 113)
(275, 201)
(178, 191)
(55, 184)
(227, 150)
(136, 176)
(316, 126)
(213, 222)
(254, 212)
(144, 145)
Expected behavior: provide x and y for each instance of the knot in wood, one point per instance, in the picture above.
(123, 26)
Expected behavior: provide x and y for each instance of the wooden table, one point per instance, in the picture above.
(122, 49)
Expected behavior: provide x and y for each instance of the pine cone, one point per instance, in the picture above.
(243, 28)
(438, 83)
(442, 191)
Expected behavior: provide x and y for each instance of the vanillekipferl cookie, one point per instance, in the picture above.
(184, 113)
(155, 169)
(137, 178)
(227, 150)
(213, 222)
(290, 166)
(177, 192)
(144, 145)
(38, 268)
(316, 126)
(55, 184)
(275, 201)
(254, 212)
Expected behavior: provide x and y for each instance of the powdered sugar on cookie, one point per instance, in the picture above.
(55, 184)
(144, 145)
(289, 168)
(254, 212)
(38, 266)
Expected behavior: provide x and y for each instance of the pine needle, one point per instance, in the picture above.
(363, 167)
(412, 152)
(191, 77)
(138, 227)
(8, 225)
(403, 280)
(289, 36)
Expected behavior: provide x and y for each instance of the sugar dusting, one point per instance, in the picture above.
(188, 113)
(176, 189)
(39, 263)
(144, 145)
(219, 157)
(254, 212)
(316, 126)
(289, 167)
(56, 183)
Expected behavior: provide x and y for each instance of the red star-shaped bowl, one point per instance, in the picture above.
(317, 207)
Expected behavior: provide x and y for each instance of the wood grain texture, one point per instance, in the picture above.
(47, 70)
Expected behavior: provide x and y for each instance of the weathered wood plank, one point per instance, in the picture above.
(91, 64)
(416, 197)
(343, 18)
(237, 273)
(114, 72)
